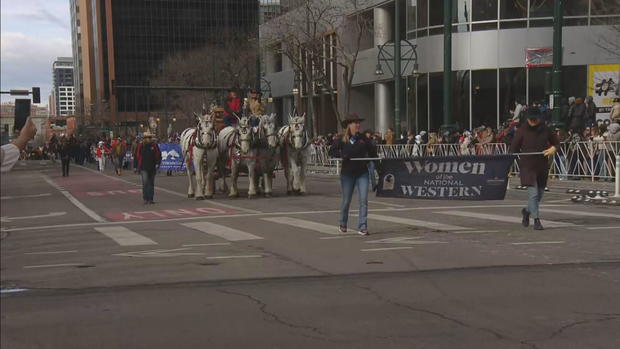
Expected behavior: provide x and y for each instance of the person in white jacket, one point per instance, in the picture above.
(9, 154)
(517, 111)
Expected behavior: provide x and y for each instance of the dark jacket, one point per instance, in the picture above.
(577, 116)
(149, 157)
(357, 147)
(534, 169)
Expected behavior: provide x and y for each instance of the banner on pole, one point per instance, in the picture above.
(171, 158)
(603, 87)
(538, 57)
(445, 177)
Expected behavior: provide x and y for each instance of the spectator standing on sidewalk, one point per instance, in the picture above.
(534, 136)
(614, 115)
(149, 159)
(354, 173)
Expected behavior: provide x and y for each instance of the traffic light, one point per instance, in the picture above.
(36, 95)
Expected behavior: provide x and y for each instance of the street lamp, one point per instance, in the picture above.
(404, 51)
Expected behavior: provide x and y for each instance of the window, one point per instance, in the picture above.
(576, 8)
(542, 8)
(422, 16)
(484, 98)
(605, 7)
(511, 90)
(435, 13)
(422, 114)
(512, 9)
(435, 101)
(460, 98)
(484, 10)
(461, 11)
(536, 85)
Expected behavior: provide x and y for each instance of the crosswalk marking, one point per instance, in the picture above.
(221, 231)
(124, 236)
(581, 213)
(331, 229)
(417, 223)
(499, 218)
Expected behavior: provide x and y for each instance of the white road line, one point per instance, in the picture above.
(13, 290)
(51, 214)
(124, 236)
(262, 214)
(500, 218)
(416, 223)
(603, 228)
(386, 204)
(214, 244)
(349, 235)
(475, 232)
(221, 231)
(385, 249)
(75, 201)
(24, 196)
(537, 243)
(231, 257)
(581, 213)
(331, 229)
(172, 192)
(53, 265)
(50, 252)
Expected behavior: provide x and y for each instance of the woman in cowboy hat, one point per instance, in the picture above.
(354, 173)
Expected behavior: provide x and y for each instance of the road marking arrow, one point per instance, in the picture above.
(51, 214)
(160, 253)
(404, 240)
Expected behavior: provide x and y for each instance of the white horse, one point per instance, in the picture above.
(199, 146)
(268, 142)
(294, 142)
(238, 146)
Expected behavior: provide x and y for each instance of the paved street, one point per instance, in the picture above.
(86, 264)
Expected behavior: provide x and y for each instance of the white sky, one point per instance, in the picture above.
(33, 33)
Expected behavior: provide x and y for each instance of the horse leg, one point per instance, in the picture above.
(252, 178)
(267, 179)
(222, 169)
(295, 175)
(234, 174)
(188, 169)
(210, 186)
(199, 175)
(302, 175)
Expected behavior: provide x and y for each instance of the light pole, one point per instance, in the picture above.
(407, 54)
(556, 78)
(296, 92)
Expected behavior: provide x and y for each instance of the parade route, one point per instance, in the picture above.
(427, 266)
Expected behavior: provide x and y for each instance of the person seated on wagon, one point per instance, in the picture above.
(232, 107)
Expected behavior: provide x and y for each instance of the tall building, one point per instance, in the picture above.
(63, 92)
(501, 54)
(146, 57)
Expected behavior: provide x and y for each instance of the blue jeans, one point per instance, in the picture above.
(534, 197)
(148, 185)
(348, 184)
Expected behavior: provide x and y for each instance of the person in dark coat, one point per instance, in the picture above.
(149, 159)
(64, 150)
(577, 116)
(354, 173)
(534, 136)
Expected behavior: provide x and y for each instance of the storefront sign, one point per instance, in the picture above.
(445, 177)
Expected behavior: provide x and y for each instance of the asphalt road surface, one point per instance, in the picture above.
(85, 264)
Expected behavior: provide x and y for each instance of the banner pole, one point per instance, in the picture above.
(374, 159)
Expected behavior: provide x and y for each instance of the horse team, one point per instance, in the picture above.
(257, 149)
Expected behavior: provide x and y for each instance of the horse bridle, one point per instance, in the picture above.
(198, 141)
(304, 137)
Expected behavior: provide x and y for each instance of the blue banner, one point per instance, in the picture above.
(445, 177)
(171, 157)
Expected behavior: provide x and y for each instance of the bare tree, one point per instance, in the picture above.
(610, 40)
(316, 34)
(228, 65)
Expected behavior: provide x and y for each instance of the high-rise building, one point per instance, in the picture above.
(63, 86)
(134, 58)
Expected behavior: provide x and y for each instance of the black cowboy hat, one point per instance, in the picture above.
(351, 118)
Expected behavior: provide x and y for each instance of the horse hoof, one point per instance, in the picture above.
(250, 196)
(190, 195)
(200, 197)
(233, 196)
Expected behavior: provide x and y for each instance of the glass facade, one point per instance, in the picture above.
(156, 41)
(475, 15)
